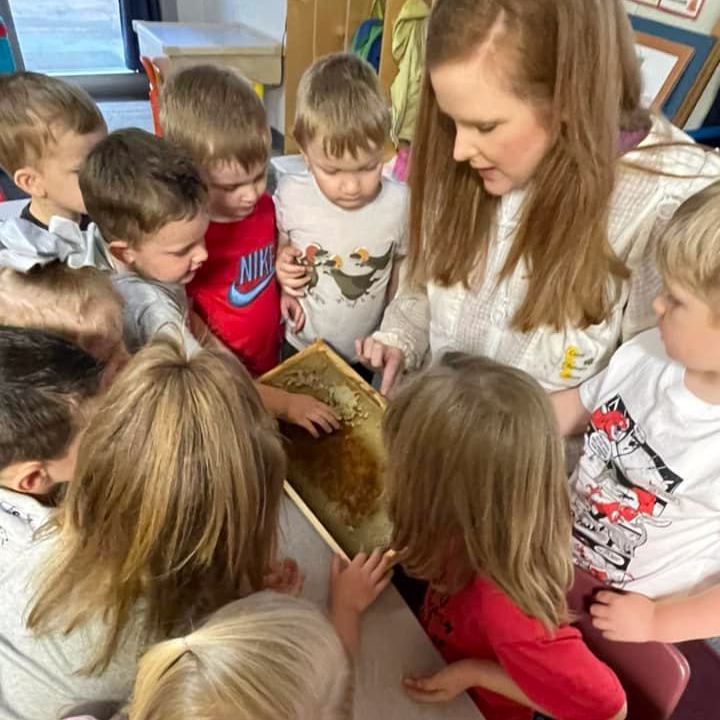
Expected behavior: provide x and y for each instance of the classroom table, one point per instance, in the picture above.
(393, 642)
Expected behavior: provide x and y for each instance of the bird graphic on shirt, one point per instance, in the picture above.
(365, 259)
(314, 254)
(353, 287)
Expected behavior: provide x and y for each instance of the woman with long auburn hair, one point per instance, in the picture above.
(539, 186)
(172, 514)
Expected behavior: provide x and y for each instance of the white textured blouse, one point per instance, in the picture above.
(427, 323)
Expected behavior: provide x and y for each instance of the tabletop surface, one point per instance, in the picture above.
(207, 38)
(393, 642)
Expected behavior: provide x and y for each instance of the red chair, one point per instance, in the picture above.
(154, 82)
(654, 675)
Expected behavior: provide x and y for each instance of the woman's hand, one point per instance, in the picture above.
(381, 358)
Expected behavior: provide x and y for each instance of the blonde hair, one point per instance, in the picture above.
(34, 110)
(215, 116)
(174, 509)
(552, 52)
(477, 485)
(78, 304)
(266, 657)
(689, 251)
(134, 183)
(339, 101)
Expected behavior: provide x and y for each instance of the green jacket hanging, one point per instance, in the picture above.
(408, 49)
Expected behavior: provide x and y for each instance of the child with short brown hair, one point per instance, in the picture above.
(149, 203)
(344, 225)
(45, 384)
(47, 128)
(216, 117)
(480, 508)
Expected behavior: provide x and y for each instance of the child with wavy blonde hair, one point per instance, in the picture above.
(173, 513)
(266, 657)
(479, 502)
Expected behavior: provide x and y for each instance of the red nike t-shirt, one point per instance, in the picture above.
(236, 292)
(556, 671)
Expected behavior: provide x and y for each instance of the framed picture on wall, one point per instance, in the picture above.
(677, 65)
(662, 64)
(685, 8)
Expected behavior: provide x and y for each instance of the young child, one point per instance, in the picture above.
(216, 117)
(39, 289)
(266, 657)
(172, 514)
(150, 206)
(46, 384)
(480, 506)
(645, 492)
(343, 224)
(47, 128)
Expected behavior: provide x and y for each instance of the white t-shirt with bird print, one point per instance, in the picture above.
(350, 254)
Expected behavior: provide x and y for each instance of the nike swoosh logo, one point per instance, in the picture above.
(243, 299)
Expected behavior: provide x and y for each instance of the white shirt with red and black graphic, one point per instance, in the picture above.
(646, 492)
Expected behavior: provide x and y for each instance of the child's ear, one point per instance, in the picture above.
(30, 181)
(26, 477)
(120, 251)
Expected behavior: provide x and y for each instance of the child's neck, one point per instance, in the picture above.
(42, 210)
(705, 385)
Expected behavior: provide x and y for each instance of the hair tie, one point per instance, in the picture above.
(24, 245)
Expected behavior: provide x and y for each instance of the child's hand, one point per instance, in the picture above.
(354, 586)
(307, 412)
(628, 617)
(285, 577)
(445, 685)
(292, 312)
(291, 276)
(379, 357)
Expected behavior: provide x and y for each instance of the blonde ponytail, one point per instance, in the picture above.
(265, 657)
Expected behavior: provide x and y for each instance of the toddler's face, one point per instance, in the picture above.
(234, 191)
(58, 172)
(173, 254)
(689, 329)
(348, 182)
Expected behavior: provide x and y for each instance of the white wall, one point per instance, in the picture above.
(267, 16)
(705, 22)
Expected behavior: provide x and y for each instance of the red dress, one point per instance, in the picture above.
(236, 292)
(556, 671)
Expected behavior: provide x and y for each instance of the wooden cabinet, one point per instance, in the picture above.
(318, 27)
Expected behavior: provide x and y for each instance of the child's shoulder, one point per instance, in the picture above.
(20, 517)
(296, 180)
(503, 621)
(642, 353)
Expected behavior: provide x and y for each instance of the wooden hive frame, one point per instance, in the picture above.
(356, 383)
